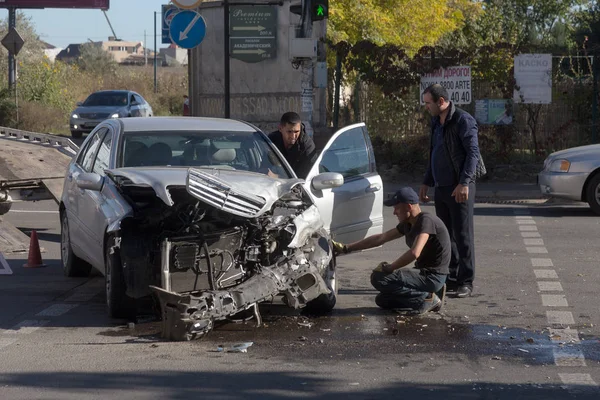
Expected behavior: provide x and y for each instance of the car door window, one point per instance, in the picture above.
(87, 158)
(347, 155)
(132, 100)
(138, 99)
(103, 156)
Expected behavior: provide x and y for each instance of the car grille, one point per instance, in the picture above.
(94, 115)
(220, 195)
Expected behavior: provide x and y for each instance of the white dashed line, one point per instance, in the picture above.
(577, 382)
(26, 327)
(525, 222)
(554, 300)
(564, 335)
(530, 234)
(4, 267)
(545, 286)
(545, 274)
(56, 310)
(33, 212)
(569, 357)
(560, 317)
(541, 262)
(537, 250)
(527, 228)
(533, 242)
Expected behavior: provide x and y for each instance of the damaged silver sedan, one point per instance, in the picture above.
(207, 216)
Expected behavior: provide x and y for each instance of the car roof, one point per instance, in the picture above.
(114, 91)
(172, 124)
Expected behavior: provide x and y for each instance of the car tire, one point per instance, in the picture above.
(118, 304)
(73, 266)
(593, 193)
(325, 303)
(76, 134)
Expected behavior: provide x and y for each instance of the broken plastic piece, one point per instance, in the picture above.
(240, 347)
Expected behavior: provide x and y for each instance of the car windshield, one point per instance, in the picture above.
(245, 151)
(106, 99)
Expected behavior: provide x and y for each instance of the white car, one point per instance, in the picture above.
(187, 209)
(573, 174)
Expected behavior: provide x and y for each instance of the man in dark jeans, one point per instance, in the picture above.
(294, 143)
(454, 163)
(420, 289)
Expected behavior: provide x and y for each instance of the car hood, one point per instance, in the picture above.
(578, 152)
(230, 190)
(98, 109)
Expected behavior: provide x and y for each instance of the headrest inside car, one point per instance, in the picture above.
(224, 155)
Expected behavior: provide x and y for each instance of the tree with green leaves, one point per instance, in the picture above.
(94, 59)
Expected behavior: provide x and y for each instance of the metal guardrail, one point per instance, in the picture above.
(60, 143)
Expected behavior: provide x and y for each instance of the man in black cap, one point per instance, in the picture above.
(419, 289)
(294, 143)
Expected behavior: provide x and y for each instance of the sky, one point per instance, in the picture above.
(129, 18)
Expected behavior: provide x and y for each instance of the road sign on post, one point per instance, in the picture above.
(168, 12)
(187, 29)
(253, 33)
(13, 41)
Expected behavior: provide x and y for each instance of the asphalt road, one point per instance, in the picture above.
(530, 331)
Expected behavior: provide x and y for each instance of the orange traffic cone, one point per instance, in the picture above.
(34, 260)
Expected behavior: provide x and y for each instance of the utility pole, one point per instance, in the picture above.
(307, 71)
(155, 85)
(145, 49)
(226, 61)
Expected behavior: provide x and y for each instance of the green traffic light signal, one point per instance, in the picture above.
(320, 10)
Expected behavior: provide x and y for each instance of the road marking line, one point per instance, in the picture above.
(33, 212)
(537, 250)
(545, 286)
(564, 335)
(528, 228)
(554, 300)
(533, 242)
(560, 317)
(530, 234)
(522, 212)
(26, 327)
(5, 270)
(525, 222)
(541, 262)
(6, 342)
(577, 382)
(545, 274)
(569, 357)
(56, 310)
(523, 217)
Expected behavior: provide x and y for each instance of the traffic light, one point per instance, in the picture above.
(320, 10)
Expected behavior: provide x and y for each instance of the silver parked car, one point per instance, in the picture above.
(208, 216)
(573, 174)
(107, 104)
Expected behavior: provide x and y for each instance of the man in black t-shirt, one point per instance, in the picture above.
(419, 289)
(294, 143)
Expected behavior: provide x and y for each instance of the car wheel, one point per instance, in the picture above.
(326, 302)
(76, 134)
(593, 193)
(72, 265)
(119, 305)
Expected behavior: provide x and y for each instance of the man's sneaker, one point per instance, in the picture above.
(432, 303)
(464, 291)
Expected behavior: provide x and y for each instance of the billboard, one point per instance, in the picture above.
(456, 80)
(533, 73)
(494, 111)
(103, 4)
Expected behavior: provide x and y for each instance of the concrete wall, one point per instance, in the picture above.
(260, 92)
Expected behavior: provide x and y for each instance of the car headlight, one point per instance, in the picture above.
(560, 166)
(115, 115)
(74, 116)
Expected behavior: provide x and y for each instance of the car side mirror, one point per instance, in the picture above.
(79, 103)
(90, 181)
(327, 180)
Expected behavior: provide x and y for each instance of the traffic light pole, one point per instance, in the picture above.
(307, 72)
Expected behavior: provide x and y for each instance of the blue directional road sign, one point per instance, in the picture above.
(187, 29)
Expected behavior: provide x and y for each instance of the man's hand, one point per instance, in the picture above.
(339, 248)
(383, 267)
(423, 193)
(461, 193)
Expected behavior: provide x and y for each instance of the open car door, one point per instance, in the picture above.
(354, 210)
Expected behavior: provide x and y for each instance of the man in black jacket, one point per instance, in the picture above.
(294, 143)
(454, 162)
